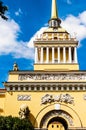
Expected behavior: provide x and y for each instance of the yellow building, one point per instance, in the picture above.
(55, 92)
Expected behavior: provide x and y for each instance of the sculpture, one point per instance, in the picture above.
(66, 98)
(46, 99)
(15, 67)
(24, 111)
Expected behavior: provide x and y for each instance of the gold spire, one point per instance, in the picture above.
(54, 10)
(54, 22)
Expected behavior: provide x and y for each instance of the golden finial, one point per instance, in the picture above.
(54, 13)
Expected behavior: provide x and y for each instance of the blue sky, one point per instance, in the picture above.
(27, 19)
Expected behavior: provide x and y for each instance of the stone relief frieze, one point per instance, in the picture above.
(24, 97)
(66, 98)
(57, 77)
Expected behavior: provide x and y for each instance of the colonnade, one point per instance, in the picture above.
(71, 57)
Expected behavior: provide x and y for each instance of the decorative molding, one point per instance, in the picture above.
(46, 86)
(66, 98)
(56, 113)
(54, 77)
(24, 97)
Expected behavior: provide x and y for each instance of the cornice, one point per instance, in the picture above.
(56, 42)
(47, 72)
(26, 86)
(43, 83)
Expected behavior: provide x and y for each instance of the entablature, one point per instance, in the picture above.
(55, 42)
(47, 76)
(41, 86)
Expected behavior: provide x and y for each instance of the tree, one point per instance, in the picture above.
(15, 123)
(3, 9)
(2, 123)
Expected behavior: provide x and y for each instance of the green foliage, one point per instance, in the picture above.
(14, 123)
(3, 9)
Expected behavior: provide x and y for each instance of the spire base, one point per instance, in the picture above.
(54, 22)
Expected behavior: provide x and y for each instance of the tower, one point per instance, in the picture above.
(55, 49)
(55, 92)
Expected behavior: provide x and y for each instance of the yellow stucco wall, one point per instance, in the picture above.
(11, 106)
(2, 103)
(76, 112)
(56, 67)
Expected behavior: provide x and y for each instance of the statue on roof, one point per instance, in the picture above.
(15, 67)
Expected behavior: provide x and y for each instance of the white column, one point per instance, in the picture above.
(36, 55)
(75, 55)
(58, 54)
(47, 55)
(64, 55)
(52, 54)
(41, 60)
(70, 56)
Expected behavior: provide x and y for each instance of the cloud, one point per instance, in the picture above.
(76, 25)
(8, 34)
(9, 43)
(18, 13)
(37, 34)
(10, 31)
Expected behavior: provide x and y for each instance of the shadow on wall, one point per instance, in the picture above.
(33, 119)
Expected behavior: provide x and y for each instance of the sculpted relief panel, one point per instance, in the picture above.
(24, 97)
(57, 77)
(66, 98)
